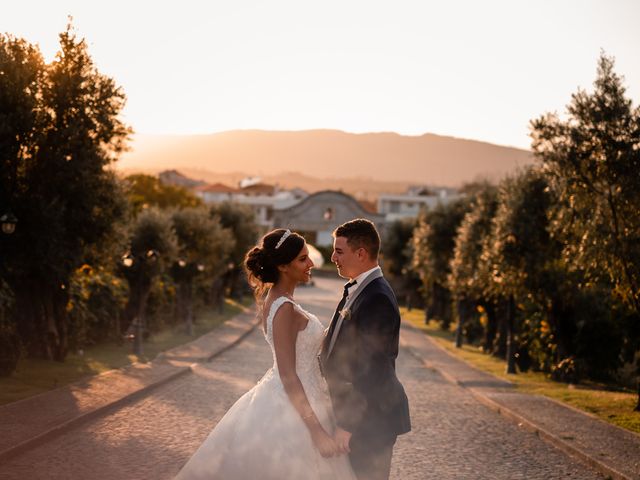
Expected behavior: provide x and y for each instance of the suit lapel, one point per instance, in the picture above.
(346, 310)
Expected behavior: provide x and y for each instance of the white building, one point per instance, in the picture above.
(264, 199)
(397, 206)
(274, 207)
(215, 193)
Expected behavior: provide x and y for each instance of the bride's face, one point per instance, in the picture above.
(299, 269)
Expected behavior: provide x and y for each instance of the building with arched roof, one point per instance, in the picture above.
(319, 214)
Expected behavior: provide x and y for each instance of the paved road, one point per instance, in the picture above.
(454, 436)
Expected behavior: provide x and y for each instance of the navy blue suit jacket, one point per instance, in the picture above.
(368, 399)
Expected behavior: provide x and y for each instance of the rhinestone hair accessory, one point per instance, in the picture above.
(284, 236)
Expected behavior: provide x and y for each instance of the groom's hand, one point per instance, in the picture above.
(342, 438)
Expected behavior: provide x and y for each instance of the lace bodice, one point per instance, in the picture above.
(307, 346)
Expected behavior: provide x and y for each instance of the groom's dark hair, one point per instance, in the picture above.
(360, 233)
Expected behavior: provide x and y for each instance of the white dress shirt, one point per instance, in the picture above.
(359, 279)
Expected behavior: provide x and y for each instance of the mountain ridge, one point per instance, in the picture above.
(326, 154)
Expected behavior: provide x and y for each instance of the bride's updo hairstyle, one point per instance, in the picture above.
(278, 247)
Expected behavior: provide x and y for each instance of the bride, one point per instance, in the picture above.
(282, 428)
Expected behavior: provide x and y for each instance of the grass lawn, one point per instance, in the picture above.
(610, 405)
(36, 376)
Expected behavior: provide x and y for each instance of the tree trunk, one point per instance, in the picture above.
(499, 347)
(556, 313)
(217, 294)
(462, 314)
(29, 320)
(511, 347)
(492, 326)
(140, 319)
(233, 284)
(130, 310)
(139, 290)
(441, 305)
(59, 301)
(186, 307)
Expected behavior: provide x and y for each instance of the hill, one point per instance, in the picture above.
(314, 157)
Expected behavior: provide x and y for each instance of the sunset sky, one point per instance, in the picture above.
(471, 69)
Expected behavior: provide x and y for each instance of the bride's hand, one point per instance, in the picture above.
(325, 444)
(342, 439)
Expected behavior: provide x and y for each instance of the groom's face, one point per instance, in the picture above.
(346, 259)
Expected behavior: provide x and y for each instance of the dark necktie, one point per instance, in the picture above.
(336, 314)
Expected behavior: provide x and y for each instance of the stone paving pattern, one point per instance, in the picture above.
(611, 449)
(59, 409)
(454, 435)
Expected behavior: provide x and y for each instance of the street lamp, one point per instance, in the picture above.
(8, 221)
(152, 256)
(127, 260)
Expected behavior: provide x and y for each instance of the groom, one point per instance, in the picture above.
(358, 355)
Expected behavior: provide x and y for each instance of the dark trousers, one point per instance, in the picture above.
(371, 461)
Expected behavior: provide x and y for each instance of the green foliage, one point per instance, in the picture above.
(10, 350)
(433, 247)
(59, 132)
(240, 220)
(521, 245)
(202, 239)
(465, 280)
(152, 247)
(6, 302)
(397, 256)
(203, 251)
(560, 257)
(160, 303)
(434, 241)
(97, 297)
(537, 339)
(145, 191)
(397, 246)
(21, 75)
(592, 161)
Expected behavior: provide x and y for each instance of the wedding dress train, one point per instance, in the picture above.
(262, 436)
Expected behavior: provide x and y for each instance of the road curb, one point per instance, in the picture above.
(509, 414)
(88, 416)
(549, 437)
(114, 405)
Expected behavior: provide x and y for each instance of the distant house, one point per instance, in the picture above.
(409, 205)
(263, 198)
(259, 189)
(318, 215)
(368, 205)
(215, 193)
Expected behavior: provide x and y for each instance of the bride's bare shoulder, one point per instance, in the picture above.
(289, 314)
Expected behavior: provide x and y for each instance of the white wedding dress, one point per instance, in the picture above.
(262, 436)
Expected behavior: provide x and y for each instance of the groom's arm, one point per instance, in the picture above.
(378, 337)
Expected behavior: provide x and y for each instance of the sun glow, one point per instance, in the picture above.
(469, 69)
